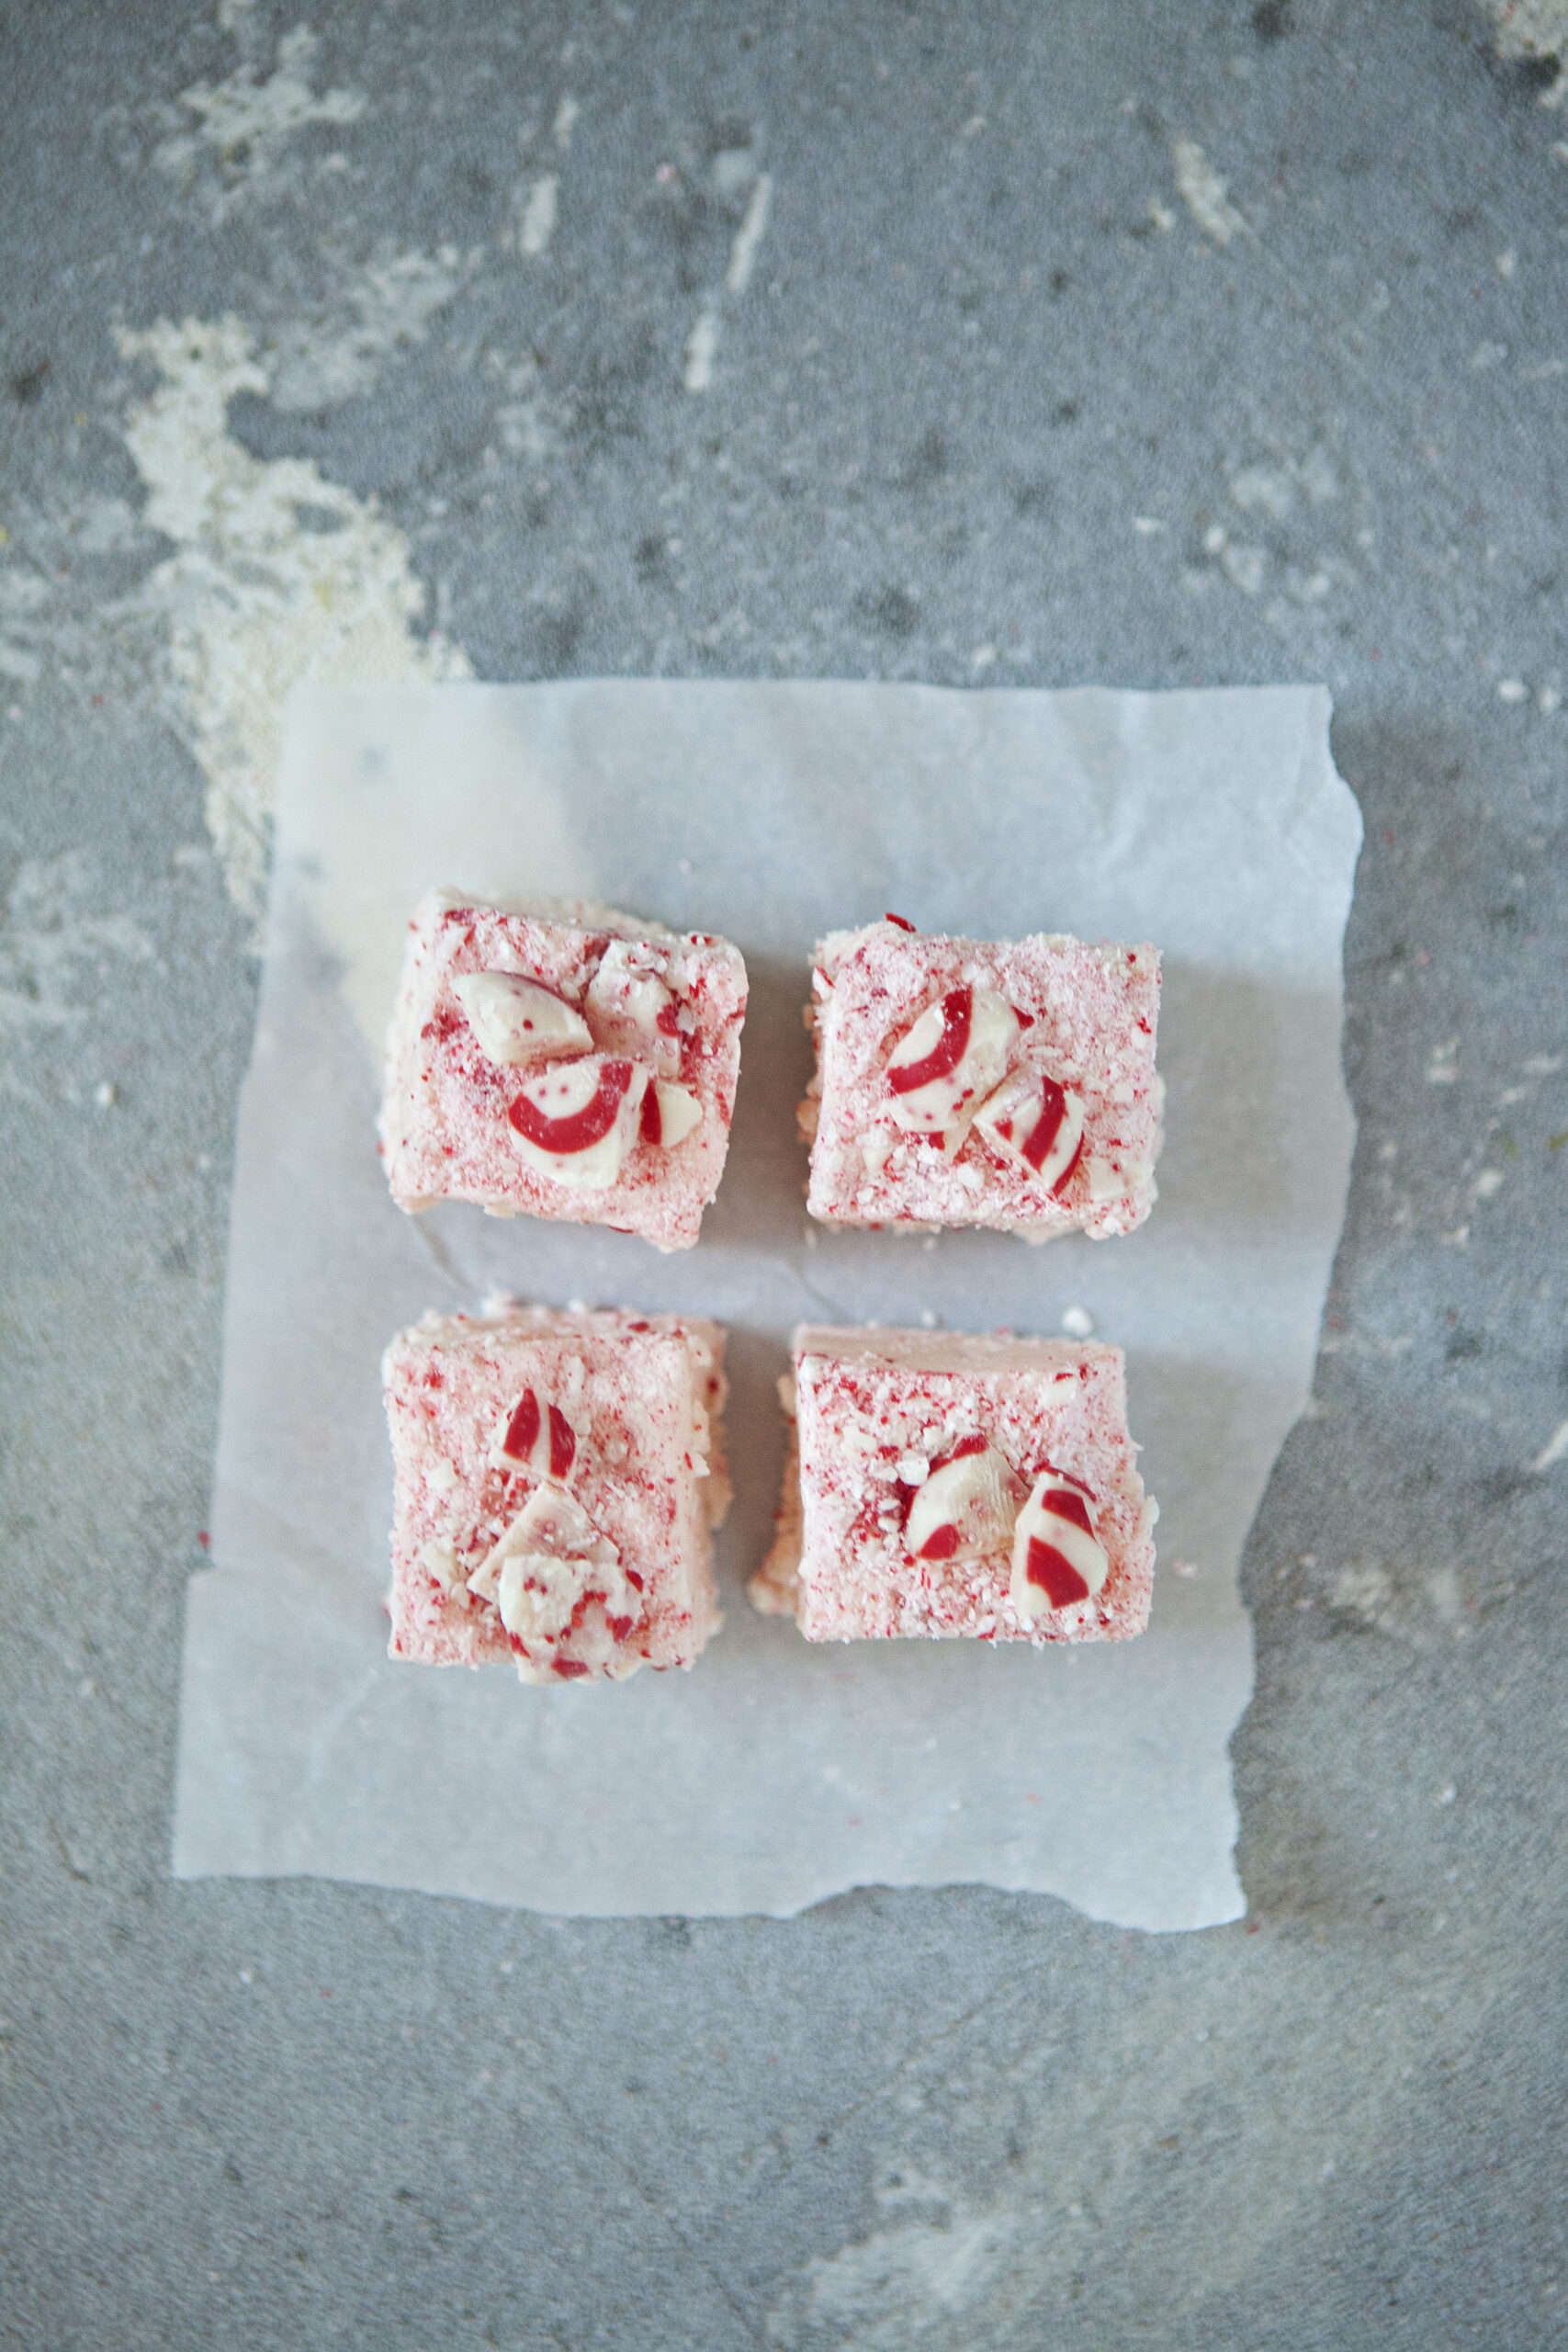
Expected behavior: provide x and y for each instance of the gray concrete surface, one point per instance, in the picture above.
(998, 307)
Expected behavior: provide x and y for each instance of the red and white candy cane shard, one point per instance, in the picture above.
(935, 1046)
(544, 1567)
(1037, 1123)
(563, 1444)
(632, 1009)
(524, 1431)
(668, 1114)
(966, 1508)
(577, 1121)
(516, 1021)
(538, 1438)
(950, 1061)
(1056, 1557)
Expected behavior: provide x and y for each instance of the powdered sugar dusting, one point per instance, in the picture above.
(930, 2260)
(538, 223)
(702, 348)
(253, 118)
(730, 171)
(1553, 1452)
(1534, 31)
(377, 311)
(1205, 193)
(57, 950)
(749, 236)
(254, 603)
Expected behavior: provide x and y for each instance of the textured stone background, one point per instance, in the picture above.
(1149, 345)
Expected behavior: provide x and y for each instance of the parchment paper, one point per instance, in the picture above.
(776, 1773)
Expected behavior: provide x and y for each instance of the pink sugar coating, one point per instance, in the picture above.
(444, 1115)
(865, 1401)
(644, 1394)
(1091, 1013)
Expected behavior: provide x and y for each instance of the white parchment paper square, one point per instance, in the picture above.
(776, 1773)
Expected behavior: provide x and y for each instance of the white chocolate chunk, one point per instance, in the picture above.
(966, 1508)
(1056, 1558)
(874, 1149)
(966, 1039)
(438, 1559)
(631, 1009)
(516, 1021)
(1036, 1123)
(537, 1594)
(680, 1114)
(577, 1121)
(550, 1556)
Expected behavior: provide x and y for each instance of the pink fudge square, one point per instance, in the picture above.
(940, 1483)
(558, 1475)
(962, 1081)
(577, 1065)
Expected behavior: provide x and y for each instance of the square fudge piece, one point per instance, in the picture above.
(940, 1483)
(576, 1064)
(557, 1478)
(961, 1081)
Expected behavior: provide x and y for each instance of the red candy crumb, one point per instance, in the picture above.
(563, 1442)
(942, 1544)
(522, 1430)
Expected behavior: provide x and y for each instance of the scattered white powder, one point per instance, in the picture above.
(1206, 194)
(55, 949)
(254, 602)
(1534, 31)
(371, 314)
(246, 122)
(538, 223)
